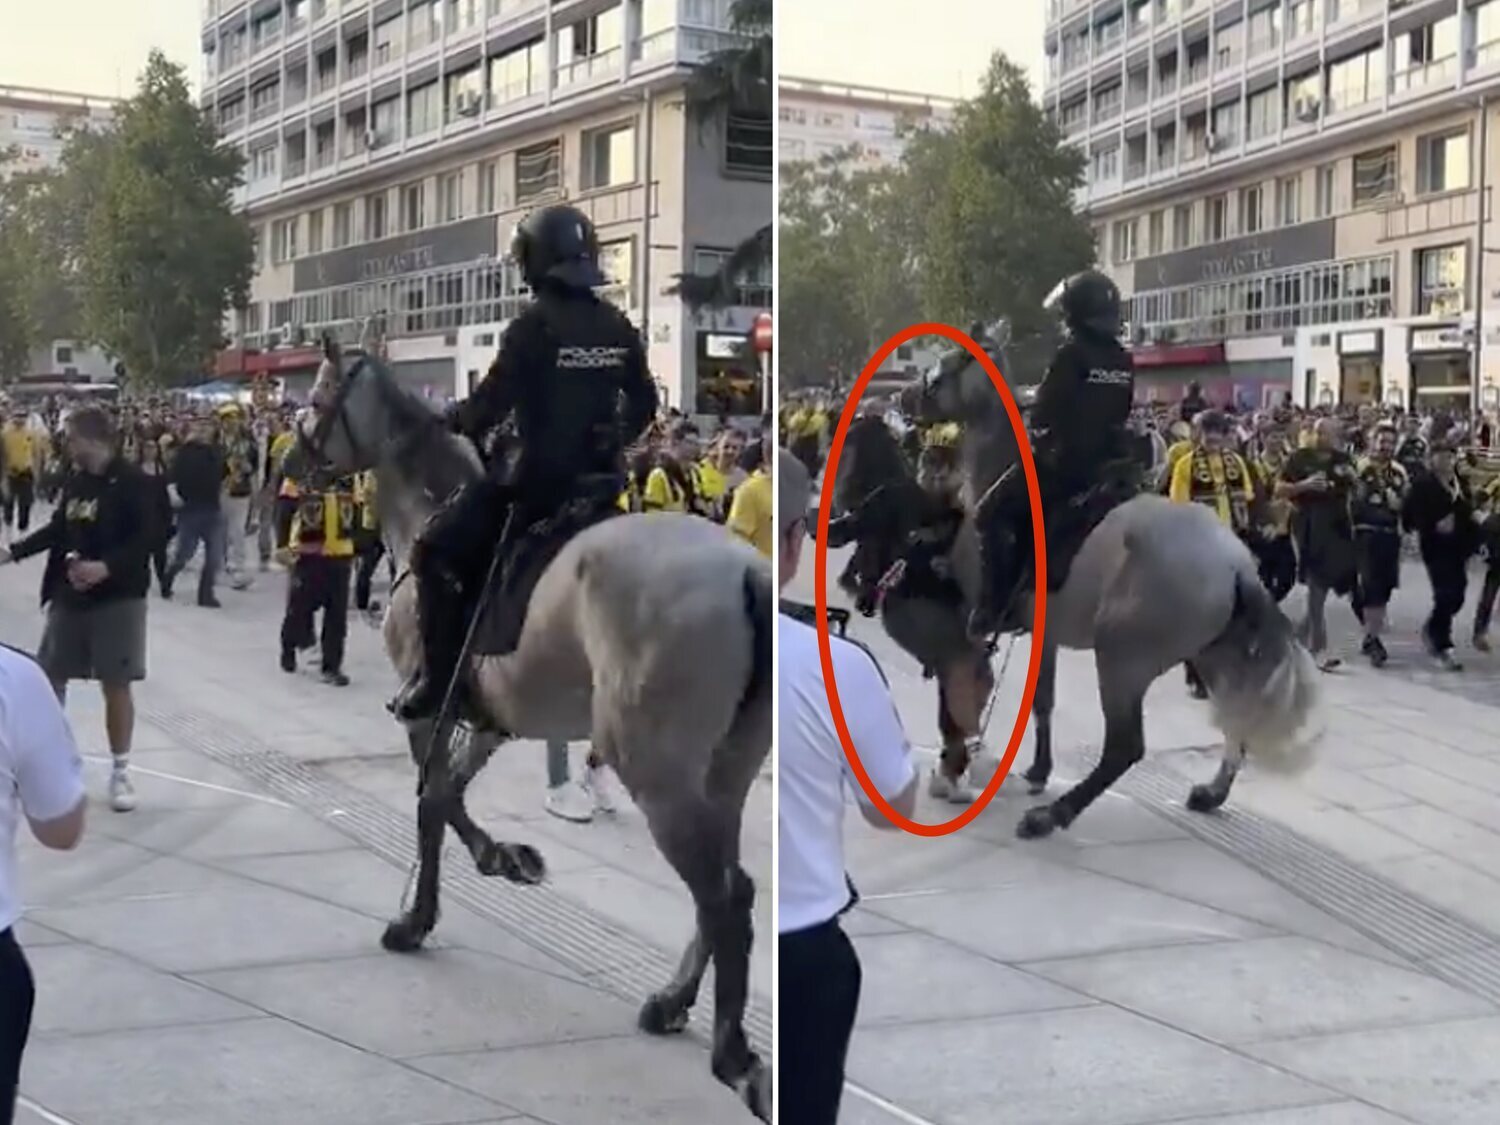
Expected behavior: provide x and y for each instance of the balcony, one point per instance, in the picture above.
(592, 69)
(1485, 55)
(1428, 216)
(1439, 72)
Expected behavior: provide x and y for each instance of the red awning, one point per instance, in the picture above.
(235, 361)
(1178, 355)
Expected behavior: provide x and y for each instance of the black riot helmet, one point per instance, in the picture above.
(1088, 303)
(557, 244)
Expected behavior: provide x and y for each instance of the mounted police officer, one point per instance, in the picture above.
(1078, 424)
(572, 369)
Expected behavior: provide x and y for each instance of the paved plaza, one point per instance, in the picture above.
(214, 956)
(1325, 951)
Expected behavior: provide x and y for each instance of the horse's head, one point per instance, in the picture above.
(356, 415)
(871, 460)
(957, 388)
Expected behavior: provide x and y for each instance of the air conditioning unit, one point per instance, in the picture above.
(1212, 142)
(373, 139)
(468, 105)
(1307, 109)
(284, 335)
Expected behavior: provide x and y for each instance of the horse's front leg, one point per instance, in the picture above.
(1041, 711)
(407, 933)
(1206, 798)
(1124, 746)
(520, 863)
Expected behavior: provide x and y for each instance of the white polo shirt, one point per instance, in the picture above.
(41, 773)
(813, 775)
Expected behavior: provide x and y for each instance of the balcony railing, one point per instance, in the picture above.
(1107, 111)
(295, 167)
(1486, 54)
(265, 110)
(1135, 169)
(1436, 73)
(323, 158)
(324, 81)
(1197, 72)
(357, 68)
(606, 64)
(1427, 216)
(1136, 96)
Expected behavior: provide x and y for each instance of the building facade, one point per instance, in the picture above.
(1295, 195)
(819, 119)
(392, 146)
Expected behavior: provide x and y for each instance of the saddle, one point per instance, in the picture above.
(526, 552)
(1069, 525)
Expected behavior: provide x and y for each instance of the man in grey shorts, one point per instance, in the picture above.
(94, 587)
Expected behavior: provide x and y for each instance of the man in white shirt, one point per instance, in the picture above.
(818, 970)
(41, 780)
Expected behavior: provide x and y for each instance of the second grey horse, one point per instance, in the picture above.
(1154, 585)
(649, 635)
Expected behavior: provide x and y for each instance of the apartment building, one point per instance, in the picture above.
(393, 145)
(1295, 195)
(818, 119)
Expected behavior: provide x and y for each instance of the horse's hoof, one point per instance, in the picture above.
(404, 936)
(659, 1016)
(1036, 823)
(1036, 783)
(520, 863)
(1203, 799)
(758, 1092)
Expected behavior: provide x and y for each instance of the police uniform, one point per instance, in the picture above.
(565, 365)
(1078, 420)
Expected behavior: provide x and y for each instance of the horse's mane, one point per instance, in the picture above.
(443, 462)
(878, 459)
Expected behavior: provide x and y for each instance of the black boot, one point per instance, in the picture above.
(441, 621)
(997, 582)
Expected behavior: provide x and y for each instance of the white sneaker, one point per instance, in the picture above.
(569, 801)
(596, 785)
(946, 789)
(121, 792)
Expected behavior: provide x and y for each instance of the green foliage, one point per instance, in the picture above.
(976, 222)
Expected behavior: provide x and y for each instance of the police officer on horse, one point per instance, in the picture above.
(572, 370)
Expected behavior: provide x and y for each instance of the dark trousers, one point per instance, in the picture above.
(199, 525)
(818, 994)
(159, 561)
(1450, 579)
(1278, 565)
(19, 497)
(1487, 596)
(318, 583)
(17, 995)
(370, 553)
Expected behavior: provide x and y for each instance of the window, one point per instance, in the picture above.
(1304, 99)
(1289, 201)
(423, 110)
(608, 157)
(414, 206)
(463, 95)
(375, 216)
(1124, 239)
(64, 355)
(343, 225)
(1229, 46)
(1418, 56)
(426, 24)
(1262, 113)
(1252, 209)
(616, 262)
(538, 171)
(1218, 218)
(263, 163)
(1443, 162)
(1226, 128)
(1183, 234)
(1440, 274)
(388, 41)
(1486, 32)
(518, 73)
(1324, 179)
(450, 197)
(463, 14)
(1265, 29)
(1303, 17)
(1357, 80)
(315, 232)
(583, 46)
(1106, 164)
(385, 121)
(356, 56)
(1374, 175)
(489, 176)
(1156, 230)
(283, 240)
(353, 134)
(748, 147)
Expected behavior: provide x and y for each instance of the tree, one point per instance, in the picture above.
(17, 330)
(735, 88)
(846, 281)
(991, 202)
(163, 254)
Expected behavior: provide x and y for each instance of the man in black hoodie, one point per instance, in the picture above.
(98, 545)
(198, 473)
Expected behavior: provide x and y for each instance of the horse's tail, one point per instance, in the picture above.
(1263, 684)
(760, 610)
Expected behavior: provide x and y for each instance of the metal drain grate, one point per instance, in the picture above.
(1440, 943)
(586, 942)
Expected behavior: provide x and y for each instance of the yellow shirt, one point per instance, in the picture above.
(279, 446)
(1218, 480)
(364, 497)
(750, 512)
(662, 495)
(20, 449)
(324, 524)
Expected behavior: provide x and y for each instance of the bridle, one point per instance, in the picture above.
(336, 416)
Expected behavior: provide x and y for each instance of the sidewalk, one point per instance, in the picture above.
(214, 956)
(1132, 971)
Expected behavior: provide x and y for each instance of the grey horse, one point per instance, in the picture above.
(1154, 585)
(649, 635)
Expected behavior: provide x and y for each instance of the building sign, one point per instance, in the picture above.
(448, 245)
(1360, 343)
(1448, 338)
(1177, 355)
(717, 345)
(1239, 257)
